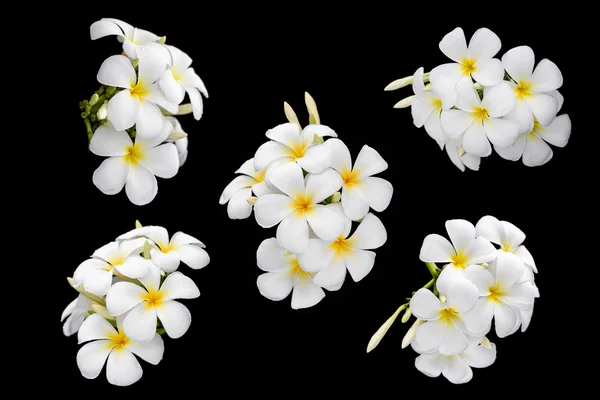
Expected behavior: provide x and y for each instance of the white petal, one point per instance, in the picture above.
(514, 152)
(306, 294)
(196, 100)
(559, 97)
(98, 282)
(122, 368)
(378, 192)
(122, 297)
(320, 130)
(461, 233)
(360, 263)
(157, 234)
(514, 237)
(180, 59)
(194, 256)
(175, 318)
(454, 45)
(104, 28)
(262, 188)
(536, 151)
(484, 44)
(526, 256)
(456, 122)
(275, 285)
(110, 176)
(418, 85)
(479, 251)
(270, 209)
(546, 77)
(543, 106)
(340, 155)
(481, 277)
(476, 142)
(181, 239)
(332, 276)
(141, 186)
(508, 270)
(457, 371)
(247, 168)
(488, 72)
(431, 364)
(520, 296)
(134, 267)
(317, 256)
(144, 37)
(354, 203)
(326, 222)
(292, 233)
(140, 323)
(557, 133)
(468, 100)
(125, 27)
(479, 318)
(316, 158)
(287, 134)
(525, 318)
(151, 352)
(117, 71)
(518, 62)
(289, 179)
(151, 280)
(370, 234)
(92, 356)
(123, 110)
(109, 142)
(461, 294)
(523, 116)
(452, 151)
(479, 357)
(85, 268)
(240, 182)
(167, 262)
(505, 319)
(425, 305)
(270, 256)
(69, 309)
(162, 161)
(157, 96)
(444, 89)
(151, 65)
(93, 328)
(179, 286)
(269, 152)
(173, 90)
(499, 100)
(189, 77)
(321, 186)
(369, 162)
(238, 207)
(420, 111)
(454, 342)
(436, 248)
(430, 335)
(472, 162)
(150, 121)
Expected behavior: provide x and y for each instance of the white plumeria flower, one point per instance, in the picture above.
(168, 254)
(144, 304)
(131, 37)
(180, 78)
(445, 329)
(501, 295)
(456, 368)
(533, 147)
(74, 314)
(181, 144)
(509, 237)
(481, 120)
(106, 342)
(535, 90)
(133, 165)
(466, 248)
(96, 273)
(298, 208)
(237, 192)
(454, 149)
(360, 189)
(475, 61)
(284, 274)
(329, 259)
(428, 105)
(137, 104)
(289, 145)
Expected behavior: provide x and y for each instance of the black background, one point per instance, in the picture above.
(252, 60)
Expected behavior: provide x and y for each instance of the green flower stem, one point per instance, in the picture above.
(433, 269)
(430, 283)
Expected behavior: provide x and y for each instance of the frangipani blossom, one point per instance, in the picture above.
(167, 254)
(106, 342)
(96, 273)
(445, 329)
(480, 120)
(237, 192)
(284, 274)
(133, 165)
(299, 207)
(454, 149)
(144, 304)
(509, 237)
(360, 190)
(180, 78)
(74, 314)
(329, 259)
(289, 145)
(137, 104)
(131, 37)
(466, 248)
(475, 61)
(534, 90)
(501, 295)
(427, 105)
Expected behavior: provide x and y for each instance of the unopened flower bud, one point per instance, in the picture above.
(162, 40)
(406, 316)
(461, 151)
(252, 200)
(485, 342)
(399, 84)
(311, 106)
(336, 198)
(412, 332)
(376, 338)
(318, 139)
(138, 225)
(102, 111)
(101, 310)
(94, 99)
(442, 298)
(184, 109)
(405, 102)
(287, 253)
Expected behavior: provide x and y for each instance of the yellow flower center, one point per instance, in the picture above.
(303, 204)
(468, 66)
(495, 293)
(139, 90)
(153, 298)
(524, 90)
(459, 260)
(448, 315)
(260, 175)
(537, 127)
(134, 154)
(296, 270)
(350, 178)
(117, 340)
(297, 149)
(481, 113)
(436, 103)
(341, 247)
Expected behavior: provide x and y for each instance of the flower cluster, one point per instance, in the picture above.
(131, 118)
(127, 300)
(479, 102)
(304, 181)
(477, 286)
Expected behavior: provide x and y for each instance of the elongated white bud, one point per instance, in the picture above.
(184, 109)
(102, 111)
(162, 40)
(442, 298)
(101, 310)
(399, 84)
(461, 151)
(407, 102)
(337, 197)
(485, 342)
(318, 139)
(376, 338)
(138, 224)
(252, 200)
(412, 332)
(290, 114)
(176, 135)
(311, 106)
(406, 316)
(94, 99)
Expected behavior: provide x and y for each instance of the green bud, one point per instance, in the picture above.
(147, 250)
(336, 198)
(135, 62)
(406, 315)
(311, 119)
(317, 139)
(138, 224)
(110, 90)
(94, 99)
(162, 40)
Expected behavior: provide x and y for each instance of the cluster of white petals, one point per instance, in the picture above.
(480, 285)
(478, 102)
(143, 89)
(303, 182)
(128, 292)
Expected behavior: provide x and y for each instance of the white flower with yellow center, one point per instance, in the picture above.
(74, 314)
(298, 208)
(131, 37)
(534, 90)
(360, 189)
(445, 330)
(137, 104)
(480, 122)
(124, 258)
(466, 248)
(427, 106)
(502, 295)
(459, 157)
(284, 274)
(133, 165)
(289, 145)
(167, 254)
(475, 61)
(238, 192)
(329, 259)
(108, 343)
(180, 78)
(144, 304)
